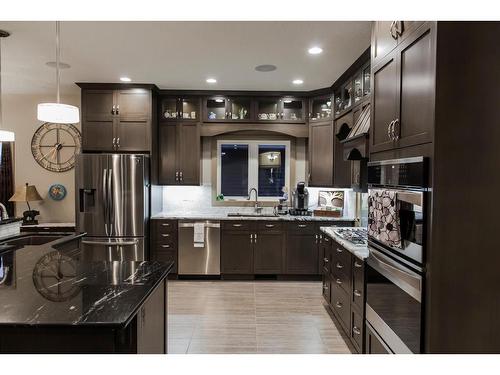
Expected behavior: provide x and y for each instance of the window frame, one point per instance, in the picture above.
(253, 165)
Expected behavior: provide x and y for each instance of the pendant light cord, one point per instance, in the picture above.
(58, 57)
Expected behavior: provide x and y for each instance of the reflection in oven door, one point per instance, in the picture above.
(395, 221)
(393, 302)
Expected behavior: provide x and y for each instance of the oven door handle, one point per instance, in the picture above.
(410, 282)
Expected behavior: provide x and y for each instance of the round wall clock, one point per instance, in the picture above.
(57, 192)
(54, 146)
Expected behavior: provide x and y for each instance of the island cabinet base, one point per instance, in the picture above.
(146, 333)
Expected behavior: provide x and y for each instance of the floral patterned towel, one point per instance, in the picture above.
(383, 218)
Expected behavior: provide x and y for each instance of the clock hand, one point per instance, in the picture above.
(48, 153)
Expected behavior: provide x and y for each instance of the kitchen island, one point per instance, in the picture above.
(52, 301)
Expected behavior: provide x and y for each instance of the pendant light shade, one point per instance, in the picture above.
(5, 135)
(58, 113)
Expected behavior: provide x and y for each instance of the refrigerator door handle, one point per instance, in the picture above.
(110, 201)
(111, 243)
(105, 196)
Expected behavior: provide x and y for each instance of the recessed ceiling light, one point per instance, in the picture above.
(265, 68)
(125, 79)
(211, 80)
(297, 82)
(315, 50)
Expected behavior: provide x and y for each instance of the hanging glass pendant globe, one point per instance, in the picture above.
(58, 112)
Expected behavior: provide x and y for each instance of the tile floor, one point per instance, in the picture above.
(250, 317)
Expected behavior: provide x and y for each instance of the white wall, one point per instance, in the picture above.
(19, 115)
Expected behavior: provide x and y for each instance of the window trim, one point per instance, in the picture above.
(253, 165)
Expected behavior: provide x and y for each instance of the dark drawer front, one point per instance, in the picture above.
(301, 227)
(357, 330)
(164, 226)
(269, 226)
(341, 279)
(340, 305)
(237, 225)
(341, 259)
(358, 278)
(167, 256)
(166, 238)
(326, 288)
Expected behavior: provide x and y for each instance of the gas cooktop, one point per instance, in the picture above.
(356, 236)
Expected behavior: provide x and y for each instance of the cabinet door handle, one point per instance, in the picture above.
(255, 238)
(339, 266)
(269, 225)
(338, 281)
(176, 176)
(118, 142)
(316, 238)
(251, 238)
(303, 226)
(338, 305)
(237, 225)
(227, 115)
(339, 250)
(166, 246)
(356, 330)
(114, 142)
(113, 110)
(325, 260)
(389, 130)
(325, 287)
(180, 176)
(396, 129)
(357, 264)
(117, 109)
(399, 27)
(357, 293)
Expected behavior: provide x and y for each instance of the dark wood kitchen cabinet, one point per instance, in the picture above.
(116, 120)
(237, 249)
(403, 93)
(269, 246)
(341, 167)
(321, 153)
(164, 242)
(301, 254)
(179, 150)
(222, 108)
(280, 109)
(179, 109)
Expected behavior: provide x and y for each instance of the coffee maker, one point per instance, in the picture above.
(300, 200)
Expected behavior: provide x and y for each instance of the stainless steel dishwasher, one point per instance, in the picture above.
(202, 258)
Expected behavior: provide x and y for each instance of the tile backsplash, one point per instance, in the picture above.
(198, 199)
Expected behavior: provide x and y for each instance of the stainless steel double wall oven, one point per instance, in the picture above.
(397, 197)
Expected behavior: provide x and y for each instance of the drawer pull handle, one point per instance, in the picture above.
(165, 235)
(339, 266)
(325, 287)
(339, 250)
(166, 246)
(338, 281)
(165, 224)
(325, 260)
(269, 225)
(358, 265)
(302, 225)
(356, 330)
(338, 305)
(237, 225)
(357, 293)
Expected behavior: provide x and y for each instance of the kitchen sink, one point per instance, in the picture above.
(30, 240)
(239, 214)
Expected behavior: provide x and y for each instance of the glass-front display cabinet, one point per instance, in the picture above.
(180, 109)
(240, 109)
(268, 109)
(366, 80)
(358, 87)
(321, 108)
(216, 108)
(292, 110)
(338, 102)
(347, 95)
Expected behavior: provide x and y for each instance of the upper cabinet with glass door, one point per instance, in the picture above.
(175, 108)
(321, 108)
(286, 109)
(227, 109)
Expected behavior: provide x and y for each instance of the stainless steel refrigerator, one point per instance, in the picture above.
(112, 205)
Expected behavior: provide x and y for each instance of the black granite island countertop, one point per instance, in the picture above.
(51, 286)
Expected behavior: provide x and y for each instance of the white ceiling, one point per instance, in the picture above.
(181, 54)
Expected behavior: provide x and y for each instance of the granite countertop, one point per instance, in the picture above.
(221, 214)
(41, 285)
(359, 251)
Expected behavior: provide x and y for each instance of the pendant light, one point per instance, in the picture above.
(58, 113)
(5, 136)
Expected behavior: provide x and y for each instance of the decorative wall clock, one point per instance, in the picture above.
(54, 146)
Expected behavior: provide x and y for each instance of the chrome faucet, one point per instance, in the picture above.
(257, 208)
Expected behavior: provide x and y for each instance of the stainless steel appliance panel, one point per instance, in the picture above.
(199, 260)
(393, 302)
(113, 249)
(128, 194)
(91, 198)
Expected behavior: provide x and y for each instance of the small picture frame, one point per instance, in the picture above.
(331, 199)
